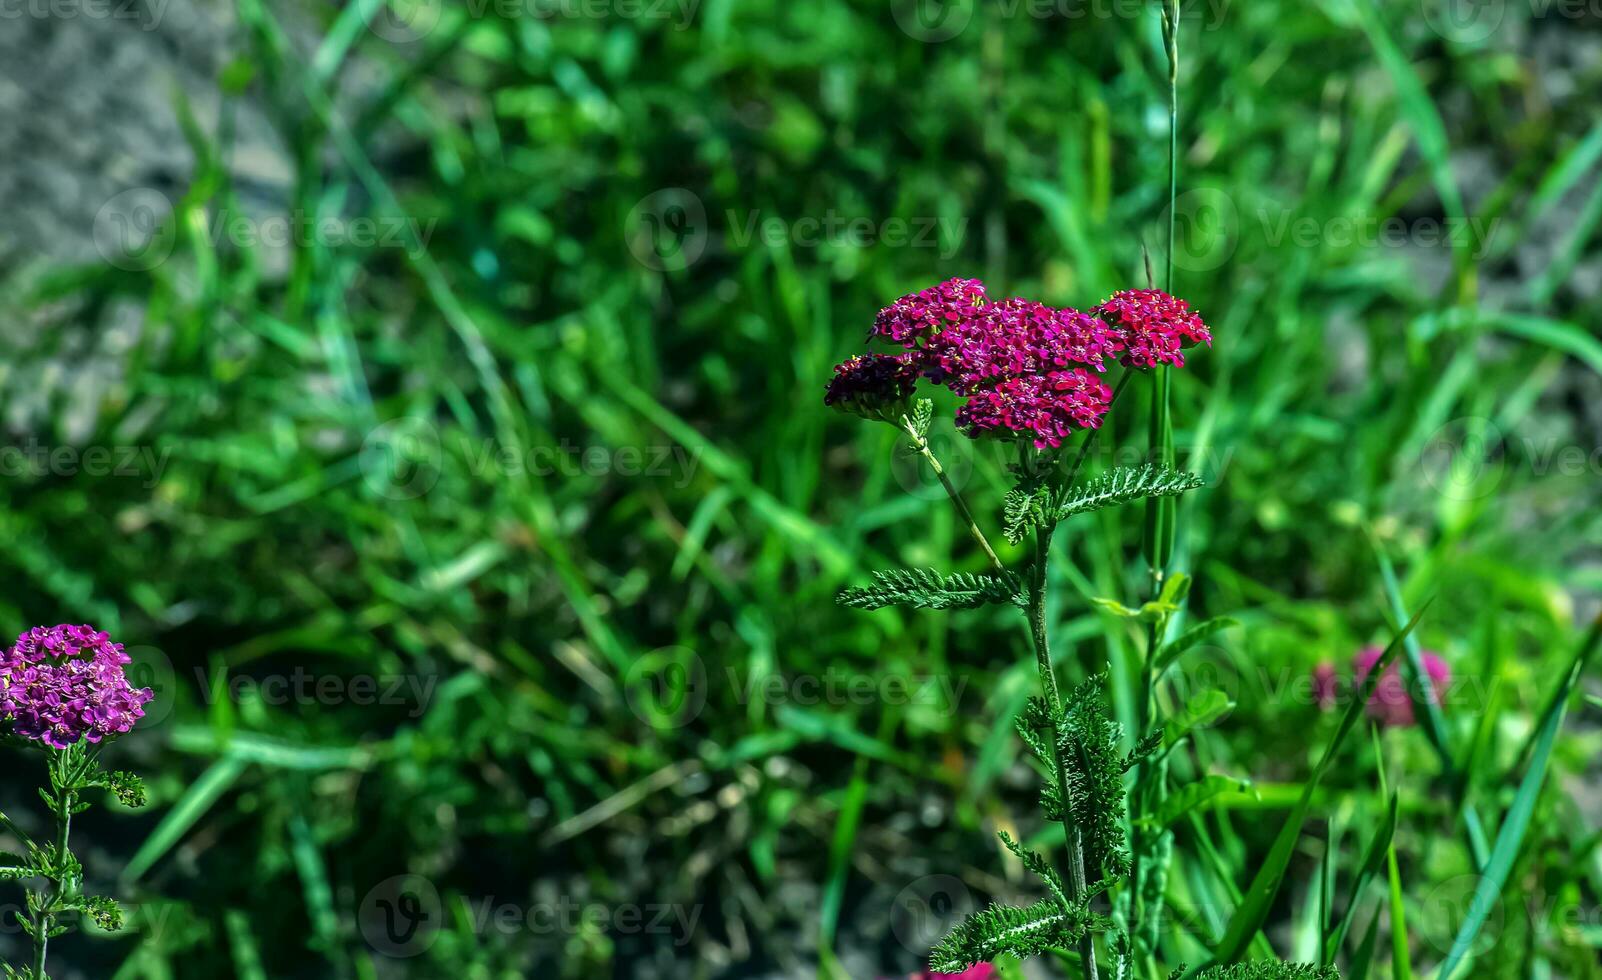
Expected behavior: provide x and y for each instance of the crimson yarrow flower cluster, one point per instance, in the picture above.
(1027, 369)
(60, 684)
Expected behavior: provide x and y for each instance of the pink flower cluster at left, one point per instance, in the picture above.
(1027, 369)
(60, 684)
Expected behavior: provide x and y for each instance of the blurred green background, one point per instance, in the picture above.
(430, 397)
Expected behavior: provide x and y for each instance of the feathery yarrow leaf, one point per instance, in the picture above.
(925, 588)
(1088, 750)
(1023, 932)
(922, 417)
(1035, 726)
(1144, 749)
(1264, 970)
(1025, 506)
(1035, 863)
(1123, 485)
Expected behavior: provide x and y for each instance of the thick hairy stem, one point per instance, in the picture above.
(922, 445)
(1077, 885)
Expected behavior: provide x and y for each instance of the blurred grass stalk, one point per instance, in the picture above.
(1146, 903)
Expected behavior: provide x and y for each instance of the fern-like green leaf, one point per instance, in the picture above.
(1265, 970)
(1035, 727)
(1093, 770)
(1024, 932)
(1087, 749)
(1025, 506)
(1035, 863)
(922, 416)
(103, 911)
(1144, 749)
(925, 588)
(1124, 485)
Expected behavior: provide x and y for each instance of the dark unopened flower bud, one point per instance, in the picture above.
(874, 386)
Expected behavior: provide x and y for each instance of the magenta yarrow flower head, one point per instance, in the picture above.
(1150, 327)
(1011, 339)
(914, 317)
(1044, 408)
(1390, 704)
(874, 386)
(979, 971)
(1021, 364)
(60, 684)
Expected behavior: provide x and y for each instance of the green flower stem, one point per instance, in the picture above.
(922, 445)
(1048, 681)
(65, 773)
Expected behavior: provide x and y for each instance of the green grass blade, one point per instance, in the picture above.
(845, 837)
(1401, 966)
(1254, 909)
(242, 944)
(1434, 724)
(1517, 822)
(1378, 845)
(199, 798)
(1363, 959)
(1194, 795)
(1424, 119)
